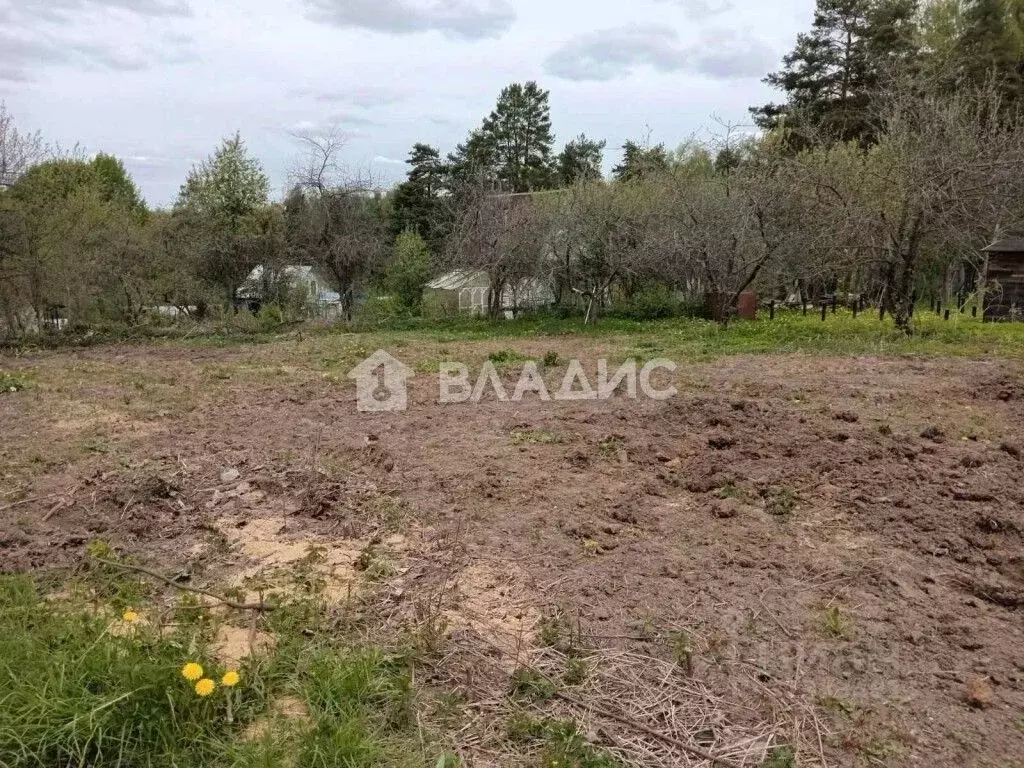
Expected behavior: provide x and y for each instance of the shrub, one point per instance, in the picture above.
(652, 302)
(409, 271)
(12, 382)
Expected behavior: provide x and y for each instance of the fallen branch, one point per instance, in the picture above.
(32, 500)
(664, 737)
(260, 606)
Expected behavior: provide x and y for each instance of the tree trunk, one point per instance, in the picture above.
(903, 298)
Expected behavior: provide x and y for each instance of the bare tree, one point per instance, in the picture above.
(946, 175)
(18, 151)
(340, 226)
(728, 223)
(502, 235)
(619, 238)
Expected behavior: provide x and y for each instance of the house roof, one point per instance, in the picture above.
(292, 272)
(1014, 244)
(295, 273)
(456, 279)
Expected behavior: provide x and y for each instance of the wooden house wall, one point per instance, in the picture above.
(1005, 293)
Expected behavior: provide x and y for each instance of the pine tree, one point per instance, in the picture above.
(989, 46)
(894, 39)
(830, 76)
(581, 159)
(639, 161)
(513, 146)
(940, 29)
(475, 158)
(416, 200)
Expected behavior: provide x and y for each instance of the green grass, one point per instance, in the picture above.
(686, 339)
(561, 743)
(79, 687)
(780, 757)
(14, 382)
(75, 694)
(679, 338)
(834, 622)
(524, 436)
(790, 331)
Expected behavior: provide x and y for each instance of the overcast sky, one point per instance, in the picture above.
(160, 82)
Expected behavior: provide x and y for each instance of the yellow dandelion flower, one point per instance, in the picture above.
(192, 671)
(230, 679)
(205, 686)
(129, 617)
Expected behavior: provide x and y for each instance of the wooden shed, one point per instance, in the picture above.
(1004, 279)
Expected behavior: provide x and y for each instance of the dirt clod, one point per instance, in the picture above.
(721, 442)
(979, 693)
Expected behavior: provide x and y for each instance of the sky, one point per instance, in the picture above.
(159, 83)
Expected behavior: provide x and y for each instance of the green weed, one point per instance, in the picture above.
(834, 622)
(562, 744)
(506, 357)
(780, 757)
(92, 687)
(523, 436)
(780, 502)
(14, 382)
(530, 685)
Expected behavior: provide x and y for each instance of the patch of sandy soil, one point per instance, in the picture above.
(286, 708)
(270, 547)
(493, 601)
(841, 538)
(233, 645)
(77, 420)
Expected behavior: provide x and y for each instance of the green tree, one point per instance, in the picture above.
(220, 201)
(640, 161)
(409, 270)
(116, 185)
(830, 76)
(474, 160)
(989, 45)
(228, 186)
(60, 179)
(514, 144)
(416, 202)
(73, 238)
(824, 76)
(940, 26)
(580, 160)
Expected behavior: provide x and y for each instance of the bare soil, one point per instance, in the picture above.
(829, 550)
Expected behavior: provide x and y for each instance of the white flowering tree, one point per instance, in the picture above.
(220, 205)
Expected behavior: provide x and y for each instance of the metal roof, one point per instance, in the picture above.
(458, 278)
(296, 273)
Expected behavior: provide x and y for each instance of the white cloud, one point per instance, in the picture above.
(160, 82)
(620, 52)
(701, 10)
(467, 19)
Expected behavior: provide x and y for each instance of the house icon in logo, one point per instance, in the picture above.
(381, 383)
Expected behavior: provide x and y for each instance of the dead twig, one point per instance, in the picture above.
(260, 606)
(32, 500)
(630, 722)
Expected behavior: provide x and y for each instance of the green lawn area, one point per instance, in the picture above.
(687, 338)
